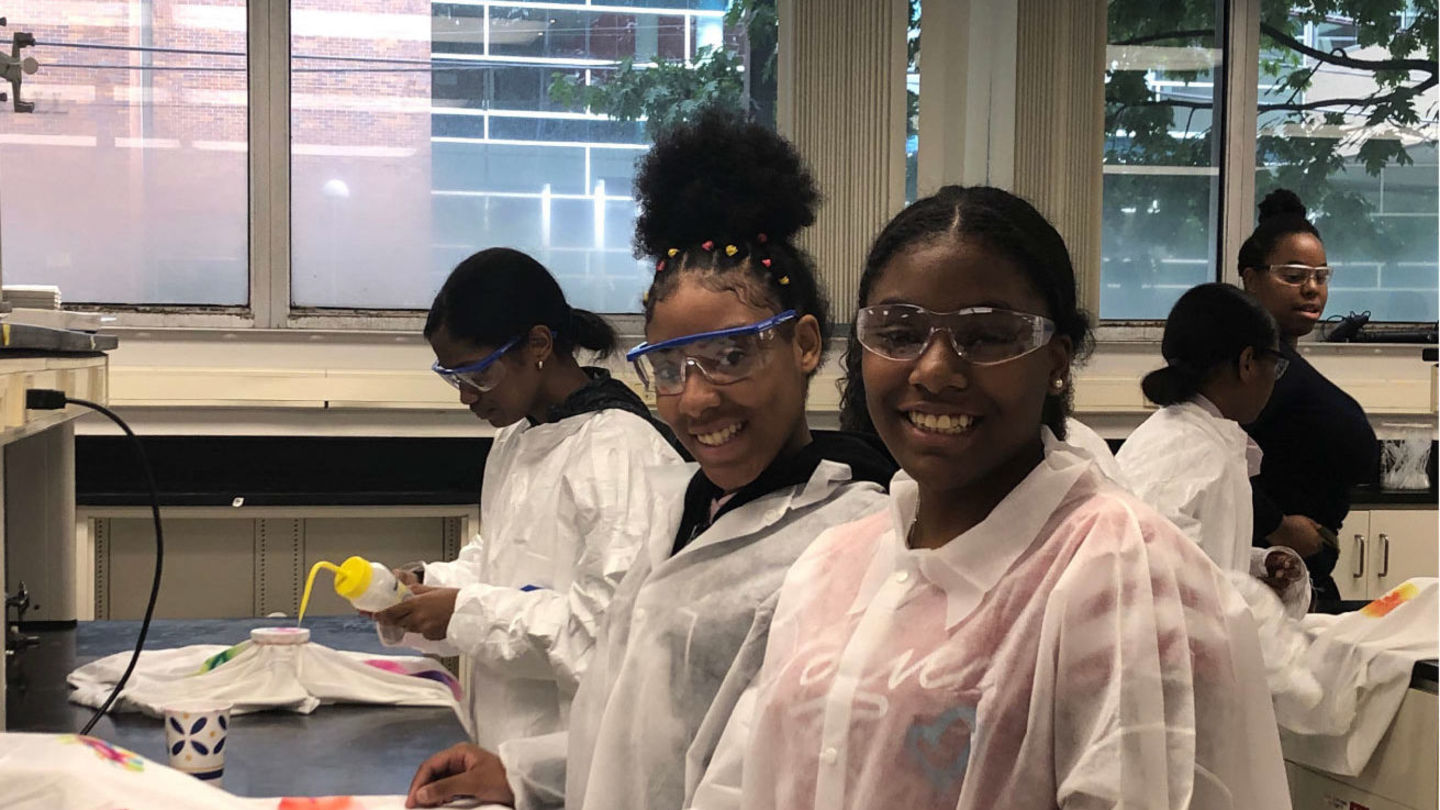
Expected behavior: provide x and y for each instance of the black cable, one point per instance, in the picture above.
(56, 399)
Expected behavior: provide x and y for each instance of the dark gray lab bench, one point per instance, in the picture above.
(343, 749)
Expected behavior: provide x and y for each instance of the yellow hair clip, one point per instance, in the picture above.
(784, 280)
(672, 252)
(731, 250)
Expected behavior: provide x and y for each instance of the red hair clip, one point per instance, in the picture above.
(765, 262)
(762, 238)
(660, 266)
(707, 245)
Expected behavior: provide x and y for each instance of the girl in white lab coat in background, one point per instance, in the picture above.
(735, 326)
(1014, 630)
(1192, 460)
(566, 493)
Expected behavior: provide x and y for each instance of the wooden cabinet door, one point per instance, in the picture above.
(1404, 543)
(1353, 571)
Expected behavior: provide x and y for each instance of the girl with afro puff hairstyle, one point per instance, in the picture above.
(735, 325)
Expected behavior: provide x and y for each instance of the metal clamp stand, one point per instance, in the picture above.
(14, 640)
(13, 69)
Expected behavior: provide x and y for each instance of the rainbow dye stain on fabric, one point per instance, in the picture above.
(128, 760)
(222, 657)
(1395, 598)
(419, 670)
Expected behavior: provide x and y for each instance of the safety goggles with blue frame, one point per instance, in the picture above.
(480, 376)
(723, 356)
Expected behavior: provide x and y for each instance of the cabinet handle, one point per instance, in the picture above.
(1384, 555)
(1359, 557)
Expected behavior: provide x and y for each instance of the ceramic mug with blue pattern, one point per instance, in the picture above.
(195, 735)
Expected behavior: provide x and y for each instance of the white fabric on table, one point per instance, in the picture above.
(262, 676)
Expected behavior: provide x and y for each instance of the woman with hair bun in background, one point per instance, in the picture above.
(1192, 459)
(1317, 440)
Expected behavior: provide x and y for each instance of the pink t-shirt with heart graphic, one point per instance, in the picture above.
(1075, 649)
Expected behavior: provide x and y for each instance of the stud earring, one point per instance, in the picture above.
(539, 365)
(1058, 384)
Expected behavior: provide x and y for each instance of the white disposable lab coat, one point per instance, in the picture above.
(1084, 438)
(1073, 650)
(682, 640)
(1194, 466)
(565, 507)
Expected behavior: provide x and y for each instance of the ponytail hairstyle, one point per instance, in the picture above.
(1208, 329)
(722, 200)
(1281, 215)
(1003, 223)
(499, 293)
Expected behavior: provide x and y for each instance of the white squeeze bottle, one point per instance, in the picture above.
(369, 586)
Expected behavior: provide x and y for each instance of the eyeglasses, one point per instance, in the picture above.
(981, 335)
(723, 357)
(1297, 274)
(1281, 361)
(482, 375)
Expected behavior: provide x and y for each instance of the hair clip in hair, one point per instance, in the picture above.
(660, 266)
(731, 250)
(765, 262)
(784, 281)
(707, 245)
(761, 238)
(672, 252)
(645, 298)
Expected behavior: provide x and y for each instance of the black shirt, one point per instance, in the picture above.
(604, 392)
(1318, 445)
(866, 463)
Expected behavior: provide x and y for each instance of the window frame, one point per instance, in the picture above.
(269, 261)
(1237, 102)
(268, 45)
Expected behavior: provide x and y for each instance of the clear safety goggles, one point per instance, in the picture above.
(482, 375)
(1281, 361)
(724, 356)
(980, 335)
(1297, 274)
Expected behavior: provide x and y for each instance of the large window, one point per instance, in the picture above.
(430, 131)
(1347, 119)
(419, 131)
(1161, 173)
(1345, 115)
(394, 137)
(128, 184)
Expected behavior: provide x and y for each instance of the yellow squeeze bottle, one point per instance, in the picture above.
(369, 586)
